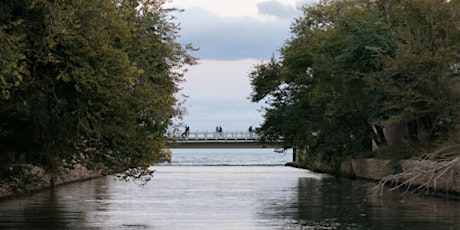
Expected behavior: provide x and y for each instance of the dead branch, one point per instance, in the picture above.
(424, 180)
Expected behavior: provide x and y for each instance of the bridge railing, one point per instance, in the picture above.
(213, 136)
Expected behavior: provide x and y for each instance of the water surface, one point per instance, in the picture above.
(227, 190)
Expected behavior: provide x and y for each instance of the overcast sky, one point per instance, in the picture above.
(233, 36)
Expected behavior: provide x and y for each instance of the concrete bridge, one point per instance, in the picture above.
(234, 139)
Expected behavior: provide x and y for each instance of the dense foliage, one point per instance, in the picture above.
(355, 67)
(89, 82)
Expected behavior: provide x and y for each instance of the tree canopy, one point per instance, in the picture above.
(90, 82)
(355, 67)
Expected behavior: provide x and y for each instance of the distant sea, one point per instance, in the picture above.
(229, 157)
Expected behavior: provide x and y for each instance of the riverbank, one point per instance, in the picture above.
(423, 176)
(408, 173)
(42, 180)
(46, 181)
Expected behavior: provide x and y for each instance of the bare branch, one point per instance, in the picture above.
(423, 180)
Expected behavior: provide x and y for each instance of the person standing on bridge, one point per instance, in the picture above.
(186, 132)
(251, 131)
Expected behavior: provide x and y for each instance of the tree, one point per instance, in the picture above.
(350, 68)
(419, 78)
(324, 110)
(89, 82)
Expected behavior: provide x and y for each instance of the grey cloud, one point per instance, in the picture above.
(276, 8)
(224, 38)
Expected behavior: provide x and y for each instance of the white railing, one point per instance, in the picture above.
(213, 136)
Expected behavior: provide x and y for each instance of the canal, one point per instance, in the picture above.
(228, 189)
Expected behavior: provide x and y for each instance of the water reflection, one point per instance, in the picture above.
(45, 213)
(67, 207)
(227, 197)
(349, 204)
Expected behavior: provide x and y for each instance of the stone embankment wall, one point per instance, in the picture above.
(79, 173)
(440, 176)
(436, 175)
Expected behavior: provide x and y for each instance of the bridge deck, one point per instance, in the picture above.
(216, 140)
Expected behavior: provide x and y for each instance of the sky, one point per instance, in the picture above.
(232, 36)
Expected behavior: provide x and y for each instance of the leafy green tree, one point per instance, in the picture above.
(344, 74)
(420, 76)
(318, 101)
(89, 82)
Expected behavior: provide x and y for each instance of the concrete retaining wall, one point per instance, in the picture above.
(445, 178)
(79, 173)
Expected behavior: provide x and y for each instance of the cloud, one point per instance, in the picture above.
(230, 114)
(219, 93)
(219, 79)
(277, 9)
(231, 38)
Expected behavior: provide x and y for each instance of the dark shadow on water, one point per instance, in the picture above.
(46, 213)
(62, 208)
(340, 203)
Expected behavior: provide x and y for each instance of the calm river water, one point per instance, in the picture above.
(227, 189)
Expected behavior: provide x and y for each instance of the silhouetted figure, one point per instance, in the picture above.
(186, 132)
